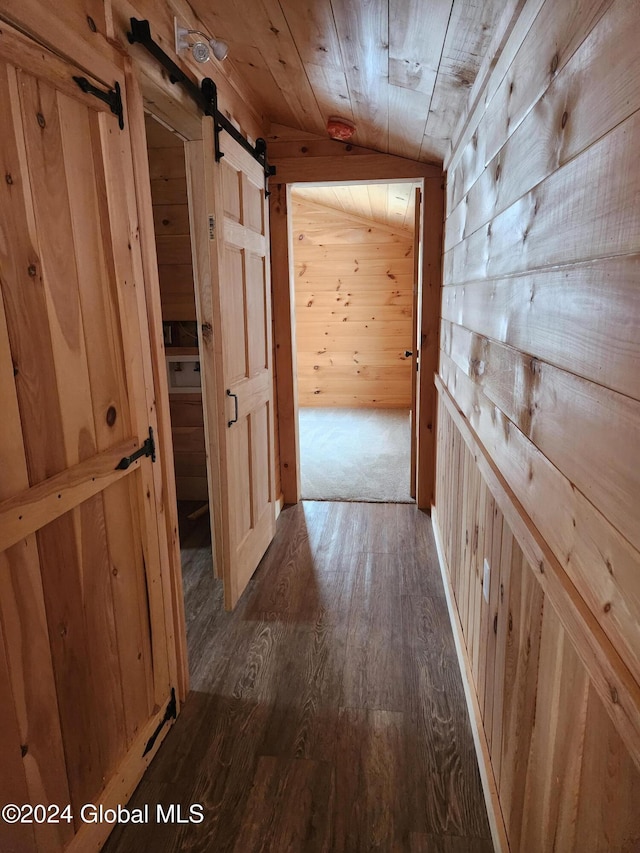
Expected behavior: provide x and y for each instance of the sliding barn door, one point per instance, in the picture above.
(234, 310)
(85, 663)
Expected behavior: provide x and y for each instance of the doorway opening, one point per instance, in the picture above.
(356, 286)
(170, 200)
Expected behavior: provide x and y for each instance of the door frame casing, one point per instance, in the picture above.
(430, 239)
(164, 439)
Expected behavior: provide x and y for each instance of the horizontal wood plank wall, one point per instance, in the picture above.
(167, 171)
(540, 358)
(353, 307)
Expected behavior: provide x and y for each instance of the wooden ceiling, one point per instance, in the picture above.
(399, 69)
(388, 204)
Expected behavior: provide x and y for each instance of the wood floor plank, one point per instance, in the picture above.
(421, 843)
(289, 807)
(222, 775)
(370, 811)
(373, 676)
(414, 534)
(327, 711)
(445, 791)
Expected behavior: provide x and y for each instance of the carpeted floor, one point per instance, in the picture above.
(355, 454)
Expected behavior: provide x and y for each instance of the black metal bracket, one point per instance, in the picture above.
(205, 96)
(210, 92)
(170, 714)
(147, 449)
(112, 98)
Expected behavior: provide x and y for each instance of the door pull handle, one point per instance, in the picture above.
(235, 400)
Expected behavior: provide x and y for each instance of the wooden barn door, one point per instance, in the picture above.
(86, 669)
(234, 310)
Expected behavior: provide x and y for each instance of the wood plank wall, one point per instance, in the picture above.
(353, 306)
(540, 357)
(171, 222)
(565, 778)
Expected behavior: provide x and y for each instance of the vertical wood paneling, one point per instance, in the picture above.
(487, 688)
(555, 753)
(30, 723)
(524, 622)
(609, 787)
(13, 783)
(78, 699)
(495, 693)
(554, 767)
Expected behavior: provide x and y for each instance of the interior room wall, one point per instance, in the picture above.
(538, 442)
(353, 308)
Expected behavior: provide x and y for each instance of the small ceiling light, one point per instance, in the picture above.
(340, 128)
(200, 47)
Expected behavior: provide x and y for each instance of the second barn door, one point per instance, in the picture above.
(233, 297)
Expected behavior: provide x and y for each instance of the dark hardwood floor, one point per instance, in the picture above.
(327, 712)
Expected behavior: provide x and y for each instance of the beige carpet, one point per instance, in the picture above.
(355, 454)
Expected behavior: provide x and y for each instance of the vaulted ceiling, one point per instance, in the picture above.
(400, 70)
(388, 204)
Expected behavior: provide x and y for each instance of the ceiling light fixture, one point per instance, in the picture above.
(200, 47)
(340, 128)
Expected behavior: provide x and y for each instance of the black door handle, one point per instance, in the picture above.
(407, 353)
(235, 399)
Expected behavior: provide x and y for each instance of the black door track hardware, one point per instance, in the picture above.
(112, 98)
(147, 449)
(170, 714)
(205, 96)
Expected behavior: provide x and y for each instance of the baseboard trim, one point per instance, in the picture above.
(489, 787)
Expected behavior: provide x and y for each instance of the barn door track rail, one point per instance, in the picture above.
(205, 96)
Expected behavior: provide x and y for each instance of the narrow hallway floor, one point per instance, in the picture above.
(326, 713)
